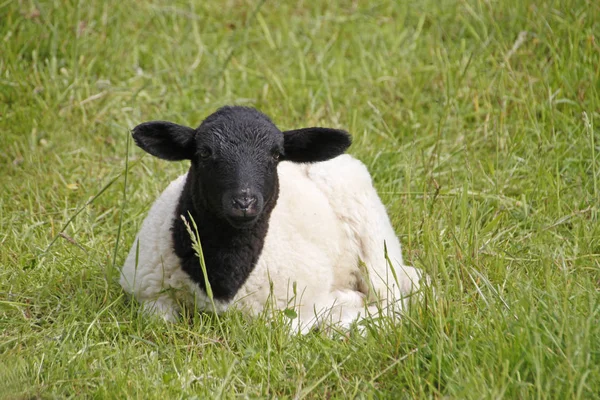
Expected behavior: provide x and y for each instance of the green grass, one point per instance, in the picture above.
(478, 120)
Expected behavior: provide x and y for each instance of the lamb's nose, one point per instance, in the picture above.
(243, 202)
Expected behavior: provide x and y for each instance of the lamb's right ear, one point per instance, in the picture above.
(165, 140)
(314, 144)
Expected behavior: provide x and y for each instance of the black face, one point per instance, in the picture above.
(235, 164)
(234, 155)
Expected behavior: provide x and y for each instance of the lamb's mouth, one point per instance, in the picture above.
(242, 221)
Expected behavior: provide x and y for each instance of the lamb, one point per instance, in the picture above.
(285, 220)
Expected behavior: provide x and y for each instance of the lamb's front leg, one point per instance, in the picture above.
(148, 274)
(163, 307)
(156, 300)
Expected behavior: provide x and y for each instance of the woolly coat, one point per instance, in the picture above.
(323, 253)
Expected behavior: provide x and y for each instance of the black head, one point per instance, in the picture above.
(234, 155)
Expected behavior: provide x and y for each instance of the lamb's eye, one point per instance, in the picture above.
(204, 152)
(275, 155)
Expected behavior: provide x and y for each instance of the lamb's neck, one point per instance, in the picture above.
(230, 254)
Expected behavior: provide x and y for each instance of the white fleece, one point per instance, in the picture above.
(323, 254)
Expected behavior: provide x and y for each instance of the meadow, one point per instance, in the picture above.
(478, 120)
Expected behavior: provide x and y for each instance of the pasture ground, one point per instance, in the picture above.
(478, 120)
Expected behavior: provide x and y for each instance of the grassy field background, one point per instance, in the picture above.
(478, 120)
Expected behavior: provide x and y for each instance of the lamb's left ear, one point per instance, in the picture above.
(165, 140)
(314, 144)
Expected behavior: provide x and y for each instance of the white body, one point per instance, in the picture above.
(328, 221)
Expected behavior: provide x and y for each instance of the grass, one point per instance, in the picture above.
(478, 120)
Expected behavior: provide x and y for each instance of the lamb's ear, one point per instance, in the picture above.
(165, 140)
(314, 144)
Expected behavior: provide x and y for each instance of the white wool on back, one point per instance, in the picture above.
(328, 221)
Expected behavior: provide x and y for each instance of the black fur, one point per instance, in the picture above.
(233, 153)
(230, 254)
